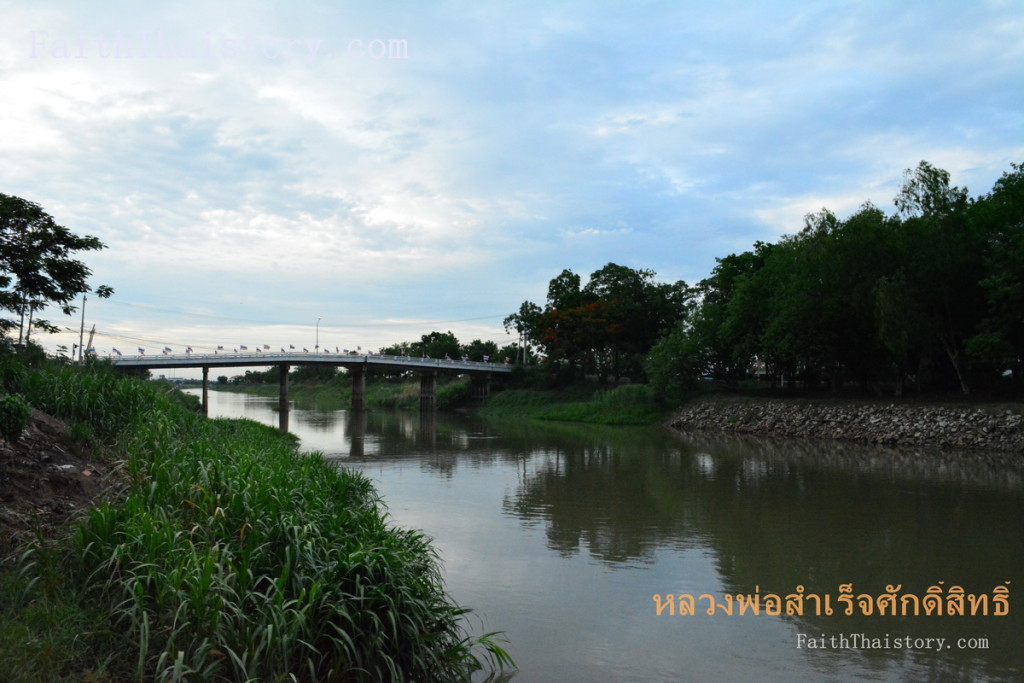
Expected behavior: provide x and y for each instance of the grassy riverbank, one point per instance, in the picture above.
(222, 554)
(381, 393)
(631, 404)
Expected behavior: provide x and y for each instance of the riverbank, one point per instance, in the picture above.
(380, 393)
(630, 404)
(993, 427)
(223, 553)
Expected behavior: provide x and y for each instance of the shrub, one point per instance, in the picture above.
(14, 416)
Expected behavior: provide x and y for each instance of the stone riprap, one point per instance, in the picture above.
(940, 426)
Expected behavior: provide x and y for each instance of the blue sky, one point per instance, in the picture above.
(398, 168)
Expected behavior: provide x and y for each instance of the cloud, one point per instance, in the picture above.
(511, 141)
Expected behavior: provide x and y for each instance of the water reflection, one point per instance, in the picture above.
(560, 534)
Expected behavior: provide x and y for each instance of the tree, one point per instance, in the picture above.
(638, 311)
(675, 365)
(728, 322)
(944, 256)
(436, 345)
(527, 323)
(37, 267)
(1000, 217)
(605, 328)
(477, 350)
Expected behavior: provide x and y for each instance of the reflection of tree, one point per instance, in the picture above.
(781, 514)
(613, 503)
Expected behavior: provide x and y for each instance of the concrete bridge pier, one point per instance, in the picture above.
(481, 387)
(428, 391)
(358, 389)
(355, 428)
(206, 390)
(282, 398)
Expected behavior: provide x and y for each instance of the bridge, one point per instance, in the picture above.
(357, 367)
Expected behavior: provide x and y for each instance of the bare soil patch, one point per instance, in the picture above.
(46, 481)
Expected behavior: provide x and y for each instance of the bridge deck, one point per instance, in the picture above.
(194, 360)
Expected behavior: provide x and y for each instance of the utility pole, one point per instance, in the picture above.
(316, 348)
(81, 330)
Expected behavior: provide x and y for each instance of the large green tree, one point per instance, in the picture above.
(943, 255)
(527, 324)
(1000, 217)
(605, 327)
(38, 266)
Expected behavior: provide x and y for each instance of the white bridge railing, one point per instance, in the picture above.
(268, 358)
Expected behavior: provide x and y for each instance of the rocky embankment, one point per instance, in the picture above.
(931, 426)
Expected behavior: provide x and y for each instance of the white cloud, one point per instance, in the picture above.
(513, 142)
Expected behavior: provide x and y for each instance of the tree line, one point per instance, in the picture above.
(929, 298)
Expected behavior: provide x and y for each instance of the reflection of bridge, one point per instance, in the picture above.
(356, 365)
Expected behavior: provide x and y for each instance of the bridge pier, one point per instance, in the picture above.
(358, 389)
(481, 386)
(282, 398)
(428, 391)
(206, 390)
(355, 427)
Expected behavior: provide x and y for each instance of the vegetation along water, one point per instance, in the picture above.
(225, 554)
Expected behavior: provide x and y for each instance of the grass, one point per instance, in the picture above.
(230, 556)
(381, 393)
(631, 404)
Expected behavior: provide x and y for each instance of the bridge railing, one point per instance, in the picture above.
(269, 357)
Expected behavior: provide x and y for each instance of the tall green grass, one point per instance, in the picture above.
(630, 404)
(232, 557)
(381, 393)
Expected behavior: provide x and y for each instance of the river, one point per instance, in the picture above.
(561, 534)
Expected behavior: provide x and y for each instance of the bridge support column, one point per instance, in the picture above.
(282, 398)
(428, 392)
(358, 389)
(481, 386)
(206, 390)
(355, 428)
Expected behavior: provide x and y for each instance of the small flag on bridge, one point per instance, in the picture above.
(290, 346)
(266, 346)
(305, 349)
(116, 351)
(487, 358)
(188, 349)
(142, 351)
(244, 348)
(220, 348)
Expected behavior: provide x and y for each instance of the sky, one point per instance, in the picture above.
(363, 173)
